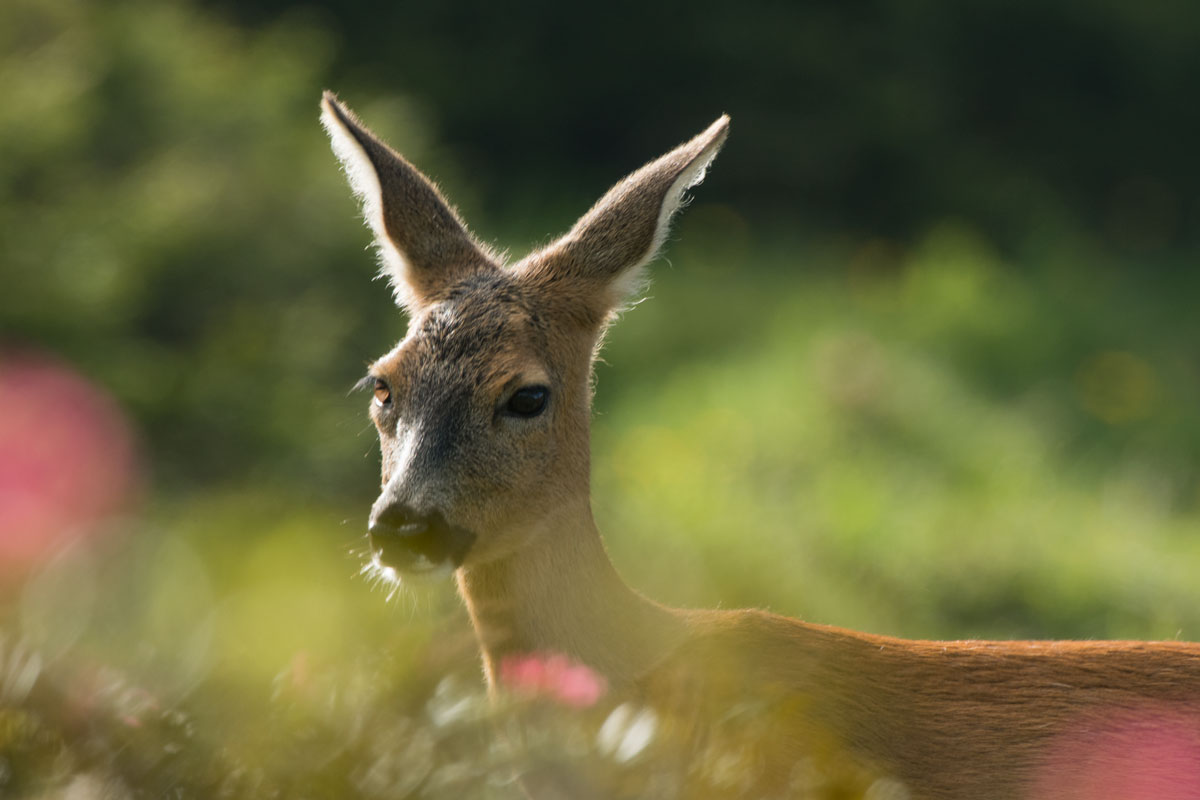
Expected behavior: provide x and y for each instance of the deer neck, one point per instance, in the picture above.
(562, 595)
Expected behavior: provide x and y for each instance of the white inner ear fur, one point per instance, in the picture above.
(632, 282)
(364, 182)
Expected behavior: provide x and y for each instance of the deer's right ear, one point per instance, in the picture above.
(424, 246)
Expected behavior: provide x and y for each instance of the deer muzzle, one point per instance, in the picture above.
(413, 541)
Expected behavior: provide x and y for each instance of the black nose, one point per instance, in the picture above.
(397, 520)
(411, 540)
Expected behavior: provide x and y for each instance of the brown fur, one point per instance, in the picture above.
(949, 719)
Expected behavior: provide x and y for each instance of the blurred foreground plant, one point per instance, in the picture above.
(89, 731)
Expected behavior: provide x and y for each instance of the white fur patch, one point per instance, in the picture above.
(393, 582)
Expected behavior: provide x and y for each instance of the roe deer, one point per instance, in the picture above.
(483, 417)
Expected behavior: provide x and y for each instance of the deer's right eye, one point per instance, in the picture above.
(383, 394)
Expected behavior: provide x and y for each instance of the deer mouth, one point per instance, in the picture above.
(411, 542)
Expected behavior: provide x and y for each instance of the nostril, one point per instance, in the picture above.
(397, 520)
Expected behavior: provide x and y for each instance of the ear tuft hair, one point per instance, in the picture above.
(339, 123)
(423, 243)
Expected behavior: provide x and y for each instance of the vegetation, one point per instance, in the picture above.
(956, 398)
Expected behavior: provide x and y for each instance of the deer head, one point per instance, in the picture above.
(483, 409)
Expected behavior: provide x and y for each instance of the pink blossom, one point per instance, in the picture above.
(580, 687)
(66, 458)
(1146, 753)
(553, 675)
(522, 673)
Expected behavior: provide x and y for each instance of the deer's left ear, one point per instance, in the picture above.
(423, 243)
(602, 257)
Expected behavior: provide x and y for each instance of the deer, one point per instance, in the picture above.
(483, 413)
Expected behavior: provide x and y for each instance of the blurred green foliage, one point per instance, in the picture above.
(923, 360)
(168, 211)
(950, 444)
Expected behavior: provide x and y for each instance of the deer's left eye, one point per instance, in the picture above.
(528, 401)
(383, 394)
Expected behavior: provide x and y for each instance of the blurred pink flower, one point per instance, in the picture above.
(66, 459)
(1147, 753)
(553, 675)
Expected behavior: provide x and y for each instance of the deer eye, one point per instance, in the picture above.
(383, 394)
(528, 401)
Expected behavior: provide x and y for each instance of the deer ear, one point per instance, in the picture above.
(608, 247)
(423, 244)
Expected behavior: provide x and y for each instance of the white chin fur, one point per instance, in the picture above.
(391, 579)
